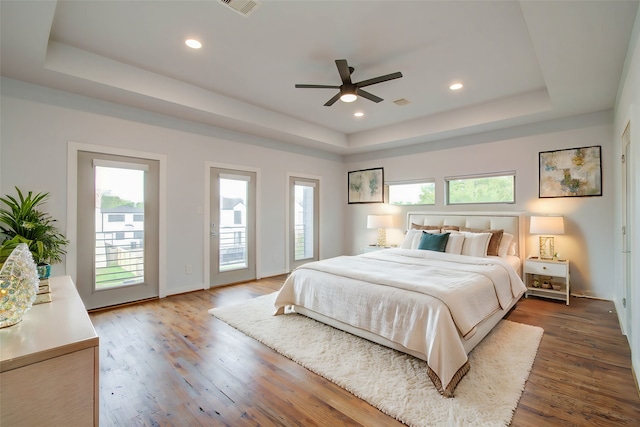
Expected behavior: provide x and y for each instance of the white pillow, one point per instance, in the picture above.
(512, 247)
(407, 243)
(475, 244)
(454, 244)
(507, 238)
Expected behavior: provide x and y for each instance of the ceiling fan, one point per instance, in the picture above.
(350, 91)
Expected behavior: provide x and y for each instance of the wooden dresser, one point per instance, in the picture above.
(49, 367)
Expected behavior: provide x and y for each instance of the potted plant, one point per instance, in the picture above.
(22, 221)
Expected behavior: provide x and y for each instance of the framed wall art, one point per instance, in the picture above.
(576, 172)
(366, 186)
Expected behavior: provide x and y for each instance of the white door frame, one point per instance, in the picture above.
(287, 254)
(207, 213)
(72, 205)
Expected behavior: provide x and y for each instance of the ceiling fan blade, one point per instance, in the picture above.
(379, 79)
(369, 96)
(316, 87)
(343, 69)
(333, 100)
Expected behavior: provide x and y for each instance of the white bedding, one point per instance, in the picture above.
(428, 302)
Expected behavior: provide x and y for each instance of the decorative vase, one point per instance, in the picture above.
(18, 285)
(44, 271)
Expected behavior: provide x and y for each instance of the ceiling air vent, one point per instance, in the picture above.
(401, 101)
(243, 7)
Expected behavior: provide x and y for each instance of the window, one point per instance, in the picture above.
(421, 192)
(138, 218)
(115, 218)
(237, 217)
(498, 187)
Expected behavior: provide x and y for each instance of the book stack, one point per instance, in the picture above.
(44, 292)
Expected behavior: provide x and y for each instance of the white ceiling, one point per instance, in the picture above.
(520, 62)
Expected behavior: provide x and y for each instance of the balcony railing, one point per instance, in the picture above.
(119, 259)
(233, 247)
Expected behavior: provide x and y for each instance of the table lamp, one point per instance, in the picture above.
(547, 226)
(381, 222)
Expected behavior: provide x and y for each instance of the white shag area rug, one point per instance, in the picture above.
(487, 396)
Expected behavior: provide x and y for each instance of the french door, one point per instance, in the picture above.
(627, 227)
(232, 226)
(118, 229)
(303, 220)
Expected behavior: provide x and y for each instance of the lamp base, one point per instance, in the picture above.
(547, 250)
(382, 237)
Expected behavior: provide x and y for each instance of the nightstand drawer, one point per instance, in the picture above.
(546, 269)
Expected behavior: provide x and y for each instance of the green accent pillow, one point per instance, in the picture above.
(433, 242)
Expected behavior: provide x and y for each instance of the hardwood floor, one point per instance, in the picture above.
(169, 362)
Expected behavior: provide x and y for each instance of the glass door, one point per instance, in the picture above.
(232, 226)
(303, 220)
(117, 229)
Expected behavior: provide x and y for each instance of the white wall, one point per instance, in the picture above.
(587, 242)
(37, 124)
(628, 110)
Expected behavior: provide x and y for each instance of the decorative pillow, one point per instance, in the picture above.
(450, 227)
(454, 244)
(425, 227)
(433, 242)
(407, 243)
(475, 244)
(494, 242)
(507, 238)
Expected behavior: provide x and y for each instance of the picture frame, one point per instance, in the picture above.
(366, 186)
(574, 172)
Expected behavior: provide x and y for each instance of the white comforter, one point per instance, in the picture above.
(426, 301)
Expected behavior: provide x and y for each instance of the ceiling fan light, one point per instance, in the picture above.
(193, 43)
(348, 97)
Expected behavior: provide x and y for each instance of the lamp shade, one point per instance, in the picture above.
(379, 221)
(548, 225)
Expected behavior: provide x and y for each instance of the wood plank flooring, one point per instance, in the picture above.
(170, 363)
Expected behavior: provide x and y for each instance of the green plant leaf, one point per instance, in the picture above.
(22, 218)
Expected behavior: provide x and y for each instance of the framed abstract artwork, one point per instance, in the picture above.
(576, 172)
(366, 186)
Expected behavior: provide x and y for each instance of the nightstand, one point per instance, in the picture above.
(541, 273)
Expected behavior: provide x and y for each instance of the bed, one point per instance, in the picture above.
(436, 305)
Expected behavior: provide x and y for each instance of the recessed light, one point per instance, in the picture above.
(456, 86)
(193, 43)
(358, 114)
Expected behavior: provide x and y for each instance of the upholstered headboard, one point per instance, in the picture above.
(510, 222)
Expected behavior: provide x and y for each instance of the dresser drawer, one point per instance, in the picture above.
(546, 269)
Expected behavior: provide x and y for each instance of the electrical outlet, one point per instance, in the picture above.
(188, 269)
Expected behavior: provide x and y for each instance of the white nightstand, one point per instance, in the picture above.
(543, 271)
